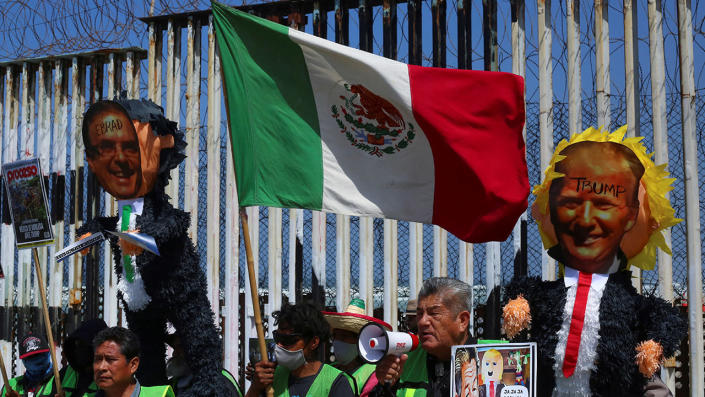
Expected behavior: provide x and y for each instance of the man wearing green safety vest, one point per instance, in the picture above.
(346, 328)
(37, 378)
(299, 372)
(443, 315)
(116, 359)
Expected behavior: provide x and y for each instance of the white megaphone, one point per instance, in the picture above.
(376, 342)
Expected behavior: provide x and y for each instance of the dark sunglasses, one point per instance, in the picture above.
(286, 339)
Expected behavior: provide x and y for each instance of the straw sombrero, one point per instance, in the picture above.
(353, 318)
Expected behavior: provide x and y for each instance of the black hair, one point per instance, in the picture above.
(146, 111)
(123, 337)
(305, 319)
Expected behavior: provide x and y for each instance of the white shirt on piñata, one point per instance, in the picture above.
(133, 293)
(579, 383)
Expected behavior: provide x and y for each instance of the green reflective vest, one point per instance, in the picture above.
(359, 378)
(320, 387)
(156, 391)
(414, 377)
(69, 381)
(362, 374)
(17, 385)
(232, 380)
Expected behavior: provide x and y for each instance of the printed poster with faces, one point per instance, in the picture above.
(27, 200)
(498, 370)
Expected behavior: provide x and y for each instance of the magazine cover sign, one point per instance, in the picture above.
(28, 203)
(494, 370)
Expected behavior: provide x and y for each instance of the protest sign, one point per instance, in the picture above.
(28, 205)
(79, 246)
(507, 368)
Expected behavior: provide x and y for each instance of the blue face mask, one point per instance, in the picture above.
(37, 367)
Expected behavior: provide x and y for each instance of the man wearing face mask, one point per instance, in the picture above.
(346, 328)
(301, 331)
(38, 377)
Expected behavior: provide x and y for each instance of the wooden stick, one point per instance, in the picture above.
(254, 292)
(47, 325)
(5, 379)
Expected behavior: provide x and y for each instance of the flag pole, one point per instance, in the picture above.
(254, 292)
(47, 325)
(5, 379)
(269, 391)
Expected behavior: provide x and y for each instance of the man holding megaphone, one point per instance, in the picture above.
(443, 314)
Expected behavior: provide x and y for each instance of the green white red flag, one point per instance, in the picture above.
(322, 126)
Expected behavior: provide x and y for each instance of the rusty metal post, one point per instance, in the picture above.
(574, 91)
(602, 63)
(391, 252)
(342, 30)
(213, 178)
(297, 19)
(692, 207)
(364, 12)
(43, 145)
(659, 124)
(489, 32)
(7, 248)
(440, 236)
(519, 67)
(631, 85)
(173, 95)
(60, 128)
(193, 103)
(78, 98)
(414, 29)
(438, 16)
(320, 20)
(464, 34)
(548, 265)
(154, 63)
(389, 28)
(130, 74)
(631, 68)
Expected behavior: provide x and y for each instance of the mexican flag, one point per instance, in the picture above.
(322, 126)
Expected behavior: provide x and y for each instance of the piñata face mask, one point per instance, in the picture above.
(124, 154)
(593, 205)
(113, 153)
(602, 193)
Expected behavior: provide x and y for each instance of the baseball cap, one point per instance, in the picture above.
(31, 345)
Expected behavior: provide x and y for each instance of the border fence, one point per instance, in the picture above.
(333, 257)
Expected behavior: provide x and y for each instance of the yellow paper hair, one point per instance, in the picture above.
(656, 181)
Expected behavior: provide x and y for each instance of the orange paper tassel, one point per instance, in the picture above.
(649, 356)
(517, 316)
